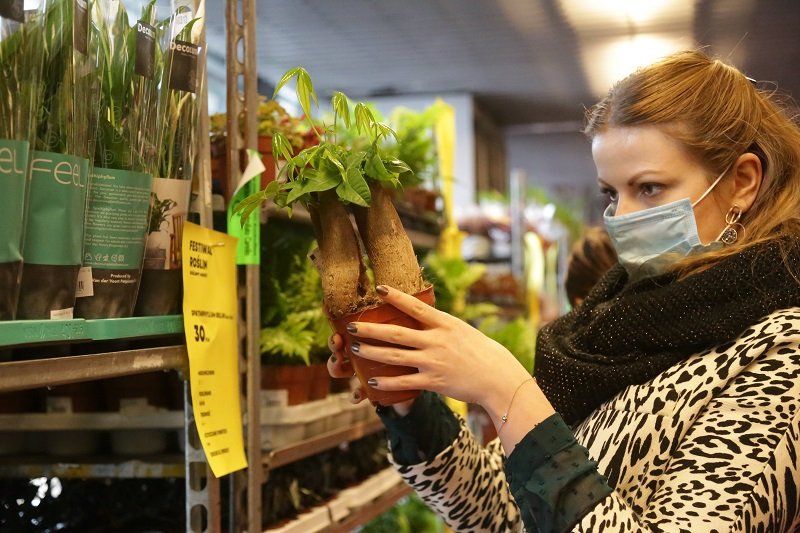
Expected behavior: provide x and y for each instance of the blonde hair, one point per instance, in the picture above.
(717, 114)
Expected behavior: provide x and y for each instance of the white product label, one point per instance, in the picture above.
(85, 285)
(58, 404)
(181, 20)
(61, 314)
(274, 398)
(134, 405)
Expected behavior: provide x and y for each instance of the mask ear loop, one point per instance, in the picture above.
(708, 191)
(730, 235)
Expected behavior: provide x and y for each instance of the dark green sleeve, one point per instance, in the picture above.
(426, 430)
(552, 479)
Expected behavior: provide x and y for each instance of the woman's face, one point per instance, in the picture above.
(641, 166)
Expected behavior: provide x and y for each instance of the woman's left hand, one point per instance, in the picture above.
(453, 358)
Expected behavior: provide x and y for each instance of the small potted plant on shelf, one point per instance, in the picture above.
(334, 180)
(272, 118)
(295, 331)
(416, 146)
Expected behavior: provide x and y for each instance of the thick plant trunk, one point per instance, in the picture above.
(345, 285)
(387, 245)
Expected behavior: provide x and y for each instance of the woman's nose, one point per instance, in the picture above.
(624, 206)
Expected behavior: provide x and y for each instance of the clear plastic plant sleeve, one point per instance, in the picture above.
(60, 163)
(160, 289)
(117, 213)
(20, 71)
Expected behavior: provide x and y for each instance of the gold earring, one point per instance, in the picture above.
(730, 234)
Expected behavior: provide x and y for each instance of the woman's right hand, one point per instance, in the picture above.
(340, 367)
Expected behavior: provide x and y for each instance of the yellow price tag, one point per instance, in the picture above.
(210, 320)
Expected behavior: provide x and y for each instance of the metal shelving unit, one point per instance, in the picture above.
(30, 374)
(307, 448)
(242, 101)
(97, 362)
(52, 371)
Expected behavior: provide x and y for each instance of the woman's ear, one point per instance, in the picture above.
(747, 174)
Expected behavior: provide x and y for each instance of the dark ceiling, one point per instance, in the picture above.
(525, 61)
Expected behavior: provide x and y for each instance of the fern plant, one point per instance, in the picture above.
(295, 327)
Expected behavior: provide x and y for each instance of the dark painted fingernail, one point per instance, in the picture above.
(357, 394)
(383, 290)
(352, 328)
(372, 382)
(355, 347)
(333, 358)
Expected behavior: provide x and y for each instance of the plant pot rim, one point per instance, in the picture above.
(370, 305)
(364, 368)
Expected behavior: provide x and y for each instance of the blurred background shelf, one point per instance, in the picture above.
(20, 375)
(160, 466)
(92, 421)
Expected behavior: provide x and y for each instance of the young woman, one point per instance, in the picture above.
(668, 400)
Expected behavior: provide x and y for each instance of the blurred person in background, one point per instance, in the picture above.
(590, 258)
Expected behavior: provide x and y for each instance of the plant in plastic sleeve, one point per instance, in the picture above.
(20, 93)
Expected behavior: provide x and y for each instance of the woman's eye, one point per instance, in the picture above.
(610, 194)
(650, 189)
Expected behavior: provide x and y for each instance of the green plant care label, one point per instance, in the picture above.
(248, 248)
(13, 169)
(116, 219)
(56, 205)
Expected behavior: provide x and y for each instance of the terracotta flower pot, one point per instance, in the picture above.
(295, 379)
(320, 381)
(365, 368)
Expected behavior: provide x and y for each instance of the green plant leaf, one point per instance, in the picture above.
(320, 181)
(304, 88)
(375, 169)
(250, 203)
(346, 193)
(354, 188)
(364, 118)
(385, 131)
(286, 78)
(396, 166)
(305, 91)
(281, 147)
(329, 155)
(341, 107)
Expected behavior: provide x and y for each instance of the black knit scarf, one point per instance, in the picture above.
(627, 333)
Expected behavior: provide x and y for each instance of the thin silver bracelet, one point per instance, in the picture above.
(504, 418)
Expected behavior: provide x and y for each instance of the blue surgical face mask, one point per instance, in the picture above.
(650, 240)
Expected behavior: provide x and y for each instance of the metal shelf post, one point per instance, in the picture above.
(242, 104)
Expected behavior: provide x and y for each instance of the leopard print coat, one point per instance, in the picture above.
(709, 445)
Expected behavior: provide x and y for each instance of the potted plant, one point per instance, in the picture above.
(335, 180)
(175, 153)
(156, 254)
(120, 181)
(272, 118)
(295, 331)
(416, 146)
(65, 123)
(21, 53)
